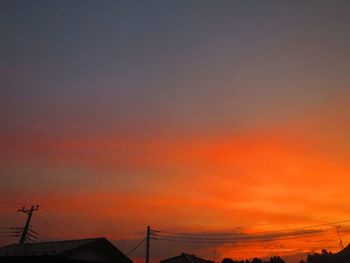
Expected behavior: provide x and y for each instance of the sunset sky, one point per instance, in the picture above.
(188, 116)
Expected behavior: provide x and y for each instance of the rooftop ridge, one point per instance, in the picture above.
(54, 241)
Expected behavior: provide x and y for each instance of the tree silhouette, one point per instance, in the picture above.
(276, 260)
(257, 260)
(319, 258)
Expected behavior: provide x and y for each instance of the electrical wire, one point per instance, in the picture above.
(247, 236)
(157, 235)
(39, 236)
(139, 244)
(62, 222)
(238, 233)
(52, 223)
(58, 230)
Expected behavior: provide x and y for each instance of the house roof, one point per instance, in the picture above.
(51, 248)
(186, 258)
(341, 257)
(63, 249)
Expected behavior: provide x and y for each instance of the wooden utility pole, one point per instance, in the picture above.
(29, 213)
(148, 238)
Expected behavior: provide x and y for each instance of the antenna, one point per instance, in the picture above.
(340, 241)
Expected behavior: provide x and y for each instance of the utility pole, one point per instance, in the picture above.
(29, 213)
(148, 238)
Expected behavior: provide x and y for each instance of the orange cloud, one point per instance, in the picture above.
(279, 177)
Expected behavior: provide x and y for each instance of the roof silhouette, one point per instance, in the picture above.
(342, 256)
(45, 248)
(186, 258)
(92, 249)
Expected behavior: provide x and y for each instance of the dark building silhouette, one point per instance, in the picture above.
(81, 250)
(186, 258)
(328, 257)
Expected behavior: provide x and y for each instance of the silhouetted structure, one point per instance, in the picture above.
(274, 259)
(29, 213)
(328, 257)
(186, 258)
(81, 250)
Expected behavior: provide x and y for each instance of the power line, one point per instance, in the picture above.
(139, 244)
(247, 236)
(56, 229)
(39, 236)
(53, 217)
(53, 222)
(62, 222)
(12, 224)
(239, 241)
(246, 239)
(239, 233)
